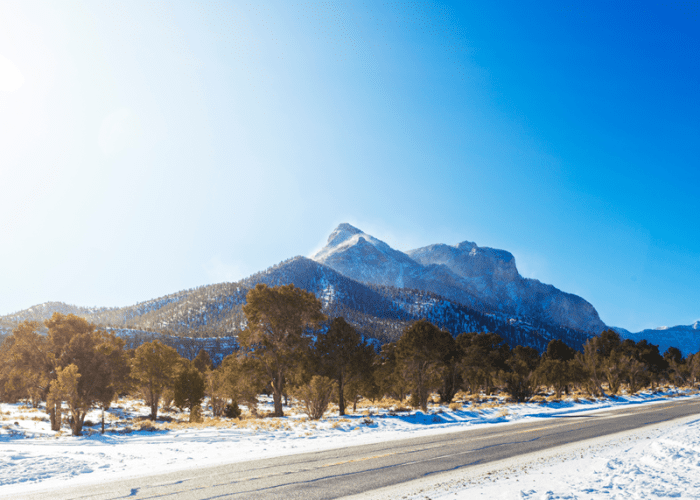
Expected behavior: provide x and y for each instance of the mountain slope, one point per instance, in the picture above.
(482, 278)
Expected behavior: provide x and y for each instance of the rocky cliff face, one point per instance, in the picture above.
(481, 277)
(491, 274)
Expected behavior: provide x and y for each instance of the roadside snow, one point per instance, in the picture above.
(33, 458)
(662, 461)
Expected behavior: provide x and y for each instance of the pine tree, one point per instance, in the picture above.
(203, 362)
(26, 364)
(153, 368)
(189, 390)
(343, 356)
(519, 381)
(420, 357)
(243, 379)
(485, 355)
(278, 336)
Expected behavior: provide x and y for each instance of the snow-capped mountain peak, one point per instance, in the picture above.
(346, 237)
(341, 234)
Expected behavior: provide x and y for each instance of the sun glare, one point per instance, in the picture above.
(11, 77)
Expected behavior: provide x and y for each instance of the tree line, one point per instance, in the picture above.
(289, 348)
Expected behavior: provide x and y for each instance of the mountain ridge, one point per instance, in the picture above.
(385, 291)
(379, 313)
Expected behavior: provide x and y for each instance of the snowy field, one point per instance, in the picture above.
(34, 458)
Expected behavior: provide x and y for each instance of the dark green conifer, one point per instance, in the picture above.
(189, 391)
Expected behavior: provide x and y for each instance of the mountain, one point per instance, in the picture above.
(378, 289)
(478, 277)
(684, 337)
(378, 312)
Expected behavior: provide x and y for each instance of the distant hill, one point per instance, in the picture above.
(684, 337)
(44, 311)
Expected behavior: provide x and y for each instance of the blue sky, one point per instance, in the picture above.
(151, 147)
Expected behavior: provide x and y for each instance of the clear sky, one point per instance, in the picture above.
(150, 147)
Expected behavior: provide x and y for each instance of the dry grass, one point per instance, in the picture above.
(265, 425)
(339, 422)
(490, 404)
(479, 398)
(384, 403)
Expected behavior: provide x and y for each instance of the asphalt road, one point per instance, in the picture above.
(353, 470)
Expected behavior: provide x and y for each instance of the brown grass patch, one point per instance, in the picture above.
(490, 404)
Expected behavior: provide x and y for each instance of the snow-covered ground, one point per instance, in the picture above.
(660, 461)
(33, 458)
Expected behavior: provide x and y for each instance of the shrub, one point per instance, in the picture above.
(167, 399)
(232, 411)
(316, 396)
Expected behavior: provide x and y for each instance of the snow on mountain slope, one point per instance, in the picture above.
(480, 277)
(44, 311)
(684, 337)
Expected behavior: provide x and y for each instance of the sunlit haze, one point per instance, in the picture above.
(150, 147)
